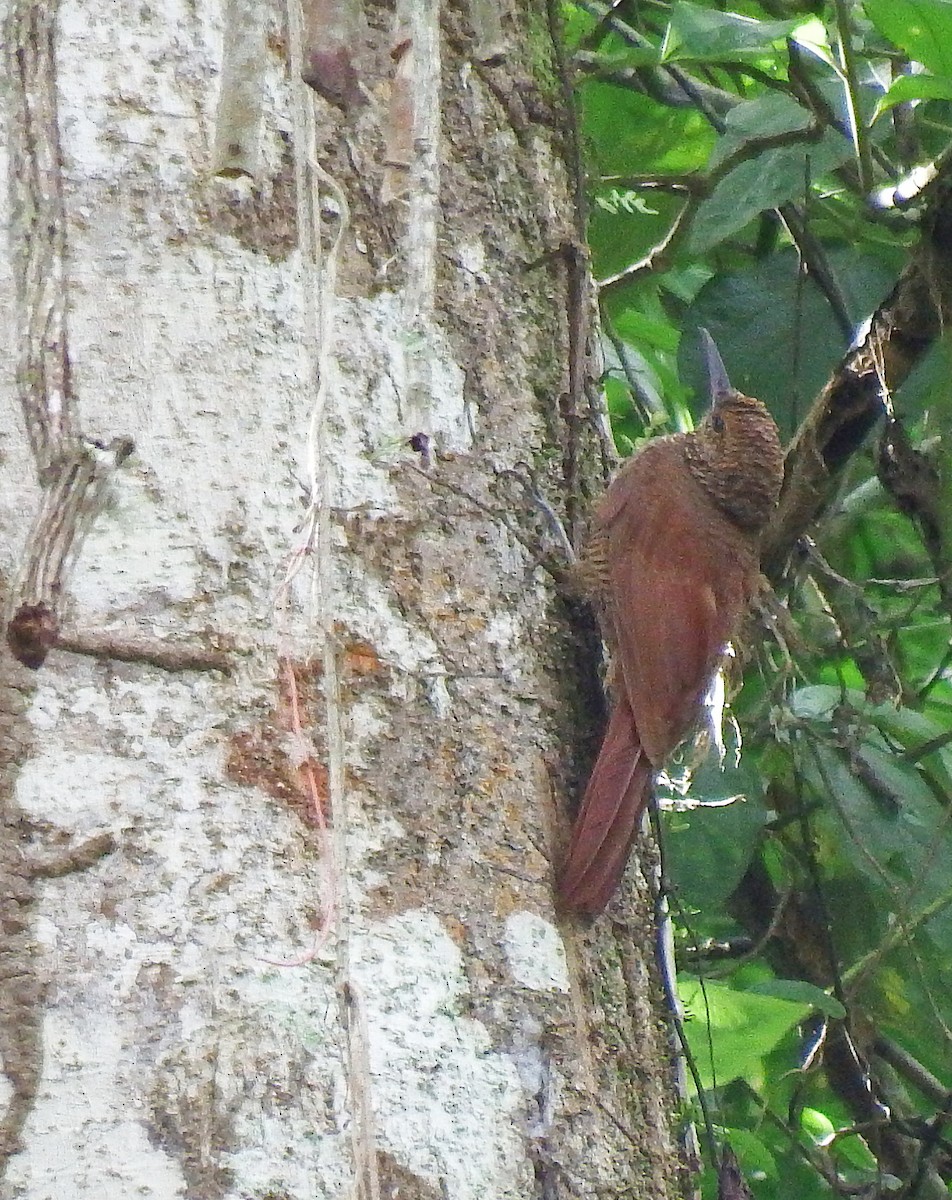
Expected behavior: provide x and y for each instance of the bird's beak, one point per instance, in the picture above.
(718, 382)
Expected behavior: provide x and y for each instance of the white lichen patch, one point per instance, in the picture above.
(204, 402)
(133, 552)
(535, 953)
(121, 107)
(507, 635)
(85, 1137)
(448, 1105)
(402, 381)
(374, 614)
(471, 257)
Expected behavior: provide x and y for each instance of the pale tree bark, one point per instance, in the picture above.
(282, 803)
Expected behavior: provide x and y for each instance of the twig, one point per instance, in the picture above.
(912, 1070)
(167, 656)
(901, 331)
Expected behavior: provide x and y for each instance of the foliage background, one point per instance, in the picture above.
(762, 170)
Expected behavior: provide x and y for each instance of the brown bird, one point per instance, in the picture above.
(671, 564)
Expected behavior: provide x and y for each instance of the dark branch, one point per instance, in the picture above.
(901, 330)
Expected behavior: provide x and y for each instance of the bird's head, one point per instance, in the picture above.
(735, 452)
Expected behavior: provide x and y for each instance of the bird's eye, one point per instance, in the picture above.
(717, 422)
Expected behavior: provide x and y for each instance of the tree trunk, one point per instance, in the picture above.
(283, 802)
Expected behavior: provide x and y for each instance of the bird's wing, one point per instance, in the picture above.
(675, 594)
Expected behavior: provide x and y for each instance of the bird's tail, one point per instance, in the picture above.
(615, 798)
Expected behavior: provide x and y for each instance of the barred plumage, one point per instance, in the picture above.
(671, 565)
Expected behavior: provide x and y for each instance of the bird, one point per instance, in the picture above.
(671, 563)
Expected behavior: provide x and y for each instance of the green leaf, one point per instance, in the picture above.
(628, 132)
(711, 848)
(648, 327)
(923, 28)
(894, 848)
(639, 319)
(750, 120)
(685, 282)
(697, 34)
(853, 1150)
(800, 990)
(914, 87)
(783, 362)
(576, 24)
(752, 1153)
(619, 238)
(764, 182)
(817, 1126)
(731, 1032)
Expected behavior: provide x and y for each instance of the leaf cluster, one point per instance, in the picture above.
(777, 172)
